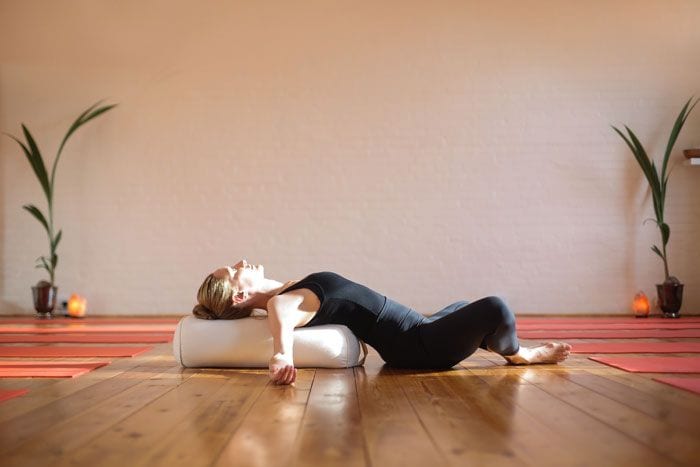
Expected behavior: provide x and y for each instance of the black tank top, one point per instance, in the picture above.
(371, 316)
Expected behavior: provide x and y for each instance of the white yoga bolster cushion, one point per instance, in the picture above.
(247, 343)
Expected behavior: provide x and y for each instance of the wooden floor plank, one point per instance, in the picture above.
(641, 382)
(575, 428)
(660, 409)
(461, 432)
(331, 432)
(664, 438)
(208, 427)
(40, 420)
(393, 433)
(132, 439)
(54, 389)
(494, 402)
(267, 435)
(482, 412)
(73, 432)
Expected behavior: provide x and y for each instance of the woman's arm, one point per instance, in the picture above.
(283, 315)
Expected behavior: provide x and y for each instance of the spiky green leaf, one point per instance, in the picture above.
(645, 162)
(44, 264)
(38, 163)
(76, 124)
(677, 127)
(656, 250)
(34, 211)
(642, 160)
(84, 117)
(657, 194)
(665, 233)
(56, 239)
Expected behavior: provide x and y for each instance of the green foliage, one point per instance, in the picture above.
(36, 161)
(658, 181)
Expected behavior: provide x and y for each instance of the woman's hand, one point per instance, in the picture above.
(282, 369)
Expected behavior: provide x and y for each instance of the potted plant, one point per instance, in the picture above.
(44, 293)
(670, 292)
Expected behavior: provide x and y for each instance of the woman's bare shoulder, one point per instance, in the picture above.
(301, 299)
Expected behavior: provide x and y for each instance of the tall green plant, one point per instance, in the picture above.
(36, 161)
(658, 182)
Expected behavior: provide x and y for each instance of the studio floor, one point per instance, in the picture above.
(147, 410)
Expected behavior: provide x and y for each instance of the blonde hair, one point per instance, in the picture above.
(214, 297)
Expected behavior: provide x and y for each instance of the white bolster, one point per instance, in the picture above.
(247, 343)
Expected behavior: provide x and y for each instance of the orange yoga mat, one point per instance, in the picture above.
(47, 369)
(97, 338)
(609, 326)
(44, 351)
(621, 334)
(86, 328)
(89, 320)
(689, 384)
(636, 347)
(7, 395)
(653, 364)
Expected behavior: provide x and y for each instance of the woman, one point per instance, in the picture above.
(403, 337)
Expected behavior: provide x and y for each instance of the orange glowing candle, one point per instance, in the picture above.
(640, 305)
(76, 306)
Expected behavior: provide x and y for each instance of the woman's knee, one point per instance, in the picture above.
(500, 309)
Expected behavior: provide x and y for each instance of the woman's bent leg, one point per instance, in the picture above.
(451, 338)
(447, 310)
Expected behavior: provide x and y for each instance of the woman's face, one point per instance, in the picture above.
(242, 276)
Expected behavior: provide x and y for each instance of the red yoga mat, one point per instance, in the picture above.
(65, 351)
(7, 395)
(607, 326)
(162, 328)
(689, 384)
(47, 369)
(603, 319)
(587, 334)
(98, 338)
(636, 347)
(90, 320)
(653, 364)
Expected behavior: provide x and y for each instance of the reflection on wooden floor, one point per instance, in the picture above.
(148, 411)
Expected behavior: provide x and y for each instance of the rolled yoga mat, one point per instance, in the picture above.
(648, 364)
(97, 338)
(47, 369)
(44, 351)
(636, 347)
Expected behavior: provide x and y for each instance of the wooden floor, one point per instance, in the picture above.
(148, 411)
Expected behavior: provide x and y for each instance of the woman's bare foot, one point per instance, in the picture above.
(551, 352)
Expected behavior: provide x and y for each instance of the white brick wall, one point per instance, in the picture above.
(435, 151)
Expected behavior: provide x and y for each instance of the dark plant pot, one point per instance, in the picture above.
(44, 300)
(670, 299)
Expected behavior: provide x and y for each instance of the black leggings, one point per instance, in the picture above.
(452, 334)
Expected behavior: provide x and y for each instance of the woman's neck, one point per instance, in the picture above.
(269, 289)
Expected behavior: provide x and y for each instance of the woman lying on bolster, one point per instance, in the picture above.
(401, 336)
